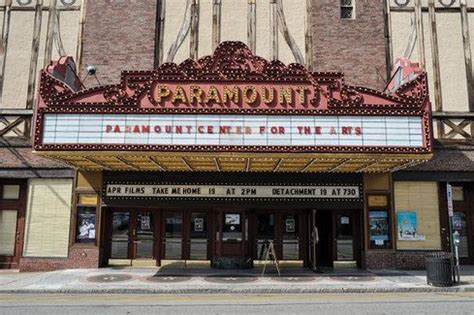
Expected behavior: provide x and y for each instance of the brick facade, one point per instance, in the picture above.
(118, 35)
(78, 258)
(354, 46)
(408, 260)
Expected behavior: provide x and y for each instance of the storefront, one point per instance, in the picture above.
(230, 218)
(215, 158)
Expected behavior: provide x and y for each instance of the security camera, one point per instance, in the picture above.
(91, 69)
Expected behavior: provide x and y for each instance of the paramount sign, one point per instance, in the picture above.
(234, 96)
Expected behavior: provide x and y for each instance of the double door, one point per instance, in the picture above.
(334, 237)
(284, 229)
(185, 235)
(158, 234)
(133, 234)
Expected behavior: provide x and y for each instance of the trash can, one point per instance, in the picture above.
(439, 270)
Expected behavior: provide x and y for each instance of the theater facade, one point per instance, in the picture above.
(212, 159)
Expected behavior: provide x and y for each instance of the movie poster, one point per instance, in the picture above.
(408, 226)
(85, 225)
(379, 228)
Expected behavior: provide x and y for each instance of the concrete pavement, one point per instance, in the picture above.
(197, 281)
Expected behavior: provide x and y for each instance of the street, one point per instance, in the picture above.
(383, 303)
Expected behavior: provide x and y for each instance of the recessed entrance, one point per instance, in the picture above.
(337, 238)
(235, 238)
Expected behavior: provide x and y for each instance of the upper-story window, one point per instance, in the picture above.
(347, 9)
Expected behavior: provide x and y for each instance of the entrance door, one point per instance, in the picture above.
(290, 237)
(12, 218)
(346, 236)
(186, 235)
(199, 236)
(265, 233)
(463, 220)
(324, 236)
(173, 235)
(132, 235)
(232, 234)
(9, 255)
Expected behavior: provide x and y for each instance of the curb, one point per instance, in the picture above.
(226, 290)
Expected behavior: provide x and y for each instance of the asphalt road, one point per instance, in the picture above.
(384, 303)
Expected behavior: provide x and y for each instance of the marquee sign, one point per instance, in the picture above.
(229, 102)
(230, 191)
(236, 130)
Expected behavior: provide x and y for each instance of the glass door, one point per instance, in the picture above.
(144, 238)
(344, 238)
(199, 236)
(290, 237)
(120, 236)
(173, 235)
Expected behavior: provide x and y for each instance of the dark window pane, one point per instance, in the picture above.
(346, 13)
(346, 2)
(266, 226)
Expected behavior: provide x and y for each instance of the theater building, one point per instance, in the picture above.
(315, 134)
(212, 158)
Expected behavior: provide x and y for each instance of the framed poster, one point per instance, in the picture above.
(290, 225)
(198, 224)
(379, 228)
(145, 222)
(85, 225)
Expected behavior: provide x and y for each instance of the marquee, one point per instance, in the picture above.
(231, 111)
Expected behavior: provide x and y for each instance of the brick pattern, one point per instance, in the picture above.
(378, 260)
(355, 47)
(78, 258)
(118, 35)
(408, 260)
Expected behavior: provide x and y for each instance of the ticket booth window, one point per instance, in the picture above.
(232, 228)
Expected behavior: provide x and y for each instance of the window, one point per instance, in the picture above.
(232, 228)
(11, 192)
(458, 193)
(47, 218)
(347, 9)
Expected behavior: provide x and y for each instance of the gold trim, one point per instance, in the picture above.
(236, 161)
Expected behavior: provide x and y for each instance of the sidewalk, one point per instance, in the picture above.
(197, 281)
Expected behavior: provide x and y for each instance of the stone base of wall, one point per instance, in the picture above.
(78, 258)
(409, 260)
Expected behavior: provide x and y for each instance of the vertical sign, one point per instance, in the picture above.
(449, 190)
